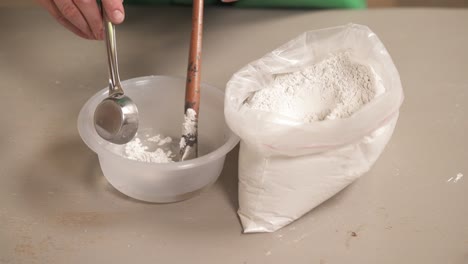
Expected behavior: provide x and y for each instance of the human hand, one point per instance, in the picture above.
(83, 17)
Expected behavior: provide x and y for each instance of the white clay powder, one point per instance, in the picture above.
(155, 149)
(189, 126)
(158, 149)
(334, 88)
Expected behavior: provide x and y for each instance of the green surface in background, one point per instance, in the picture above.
(268, 3)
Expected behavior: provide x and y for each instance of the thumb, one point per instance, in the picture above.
(114, 10)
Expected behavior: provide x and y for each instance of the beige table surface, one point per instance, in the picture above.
(56, 207)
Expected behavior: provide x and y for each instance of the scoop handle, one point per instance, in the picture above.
(115, 88)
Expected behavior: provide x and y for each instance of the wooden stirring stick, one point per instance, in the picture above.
(189, 140)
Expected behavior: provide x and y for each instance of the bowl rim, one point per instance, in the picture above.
(223, 150)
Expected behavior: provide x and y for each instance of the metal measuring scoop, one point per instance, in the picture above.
(116, 117)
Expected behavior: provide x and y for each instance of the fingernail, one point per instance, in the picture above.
(118, 16)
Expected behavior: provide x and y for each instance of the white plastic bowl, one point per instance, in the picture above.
(160, 102)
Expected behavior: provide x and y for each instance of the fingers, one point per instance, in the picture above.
(55, 12)
(83, 17)
(114, 10)
(90, 11)
(71, 12)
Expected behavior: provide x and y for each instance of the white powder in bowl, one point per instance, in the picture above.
(142, 150)
(334, 88)
(159, 149)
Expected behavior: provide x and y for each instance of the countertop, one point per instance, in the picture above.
(56, 207)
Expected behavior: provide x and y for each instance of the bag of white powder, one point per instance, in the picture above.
(313, 116)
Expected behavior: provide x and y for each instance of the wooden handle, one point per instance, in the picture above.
(192, 89)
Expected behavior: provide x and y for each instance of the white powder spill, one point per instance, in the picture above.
(456, 178)
(137, 150)
(334, 88)
(459, 176)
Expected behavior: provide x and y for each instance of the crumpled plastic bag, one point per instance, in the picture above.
(287, 167)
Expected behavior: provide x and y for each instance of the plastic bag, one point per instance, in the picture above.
(286, 167)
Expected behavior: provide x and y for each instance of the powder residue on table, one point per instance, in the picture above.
(334, 88)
